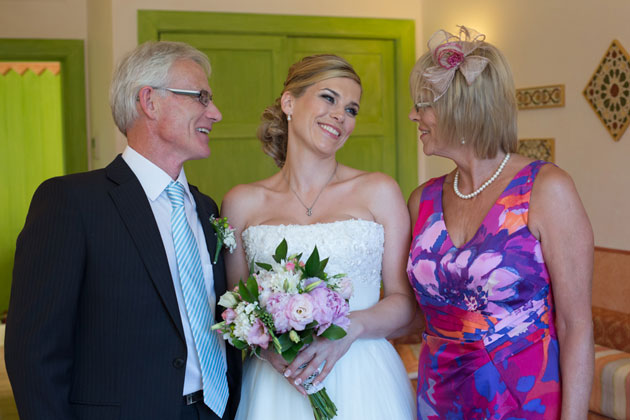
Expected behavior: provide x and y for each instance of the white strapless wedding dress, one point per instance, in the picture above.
(369, 382)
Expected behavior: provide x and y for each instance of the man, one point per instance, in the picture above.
(113, 283)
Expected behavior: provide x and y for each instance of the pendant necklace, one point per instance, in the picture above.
(309, 210)
(484, 185)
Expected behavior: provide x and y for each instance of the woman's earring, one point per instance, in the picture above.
(288, 117)
(463, 140)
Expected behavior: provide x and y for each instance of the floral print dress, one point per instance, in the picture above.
(490, 349)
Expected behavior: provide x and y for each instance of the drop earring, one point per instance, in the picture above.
(463, 141)
(288, 117)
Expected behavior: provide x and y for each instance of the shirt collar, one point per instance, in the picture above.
(152, 178)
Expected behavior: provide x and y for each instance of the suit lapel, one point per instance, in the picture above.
(205, 209)
(136, 213)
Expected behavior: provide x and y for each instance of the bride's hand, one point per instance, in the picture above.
(280, 364)
(319, 351)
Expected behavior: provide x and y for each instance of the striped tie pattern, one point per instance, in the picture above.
(213, 365)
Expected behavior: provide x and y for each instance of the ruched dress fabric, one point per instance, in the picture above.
(369, 382)
(490, 349)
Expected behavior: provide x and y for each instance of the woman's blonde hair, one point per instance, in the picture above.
(273, 129)
(482, 113)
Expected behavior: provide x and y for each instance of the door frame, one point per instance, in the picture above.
(152, 23)
(70, 54)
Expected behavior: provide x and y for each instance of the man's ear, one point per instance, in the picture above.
(146, 102)
(286, 103)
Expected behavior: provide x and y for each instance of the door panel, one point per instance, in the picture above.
(246, 77)
(248, 72)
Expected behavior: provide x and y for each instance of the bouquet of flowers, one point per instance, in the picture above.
(288, 303)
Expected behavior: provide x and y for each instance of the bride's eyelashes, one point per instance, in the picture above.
(352, 111)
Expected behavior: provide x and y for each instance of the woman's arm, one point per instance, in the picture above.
(558, 218)
(236, 206)
(397, 308)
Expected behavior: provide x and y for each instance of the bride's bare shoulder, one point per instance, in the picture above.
(247, 196)
(375, 183)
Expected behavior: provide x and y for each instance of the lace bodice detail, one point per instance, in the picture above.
(355, 247)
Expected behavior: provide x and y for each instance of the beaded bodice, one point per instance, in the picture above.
(355, 248)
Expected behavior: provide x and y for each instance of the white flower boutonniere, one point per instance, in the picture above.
(225, 235)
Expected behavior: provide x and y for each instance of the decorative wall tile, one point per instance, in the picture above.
(539, 149)
(608, 90)
(540, 97)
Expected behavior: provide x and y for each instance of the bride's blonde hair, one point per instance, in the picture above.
(273, 129)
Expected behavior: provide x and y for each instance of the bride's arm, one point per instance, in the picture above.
(236, 206)
(398, 306)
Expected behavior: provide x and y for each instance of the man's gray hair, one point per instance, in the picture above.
(147, 65)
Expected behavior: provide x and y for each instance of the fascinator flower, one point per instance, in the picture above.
(451, 53)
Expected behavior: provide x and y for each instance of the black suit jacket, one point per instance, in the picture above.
(93, 330)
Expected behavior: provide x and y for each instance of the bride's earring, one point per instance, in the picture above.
(288, 117)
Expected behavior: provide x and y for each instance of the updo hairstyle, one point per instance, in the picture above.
(273, 129)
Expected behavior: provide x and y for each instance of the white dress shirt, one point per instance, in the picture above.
(154, 181)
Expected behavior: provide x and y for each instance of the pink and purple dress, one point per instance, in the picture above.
(490, 349)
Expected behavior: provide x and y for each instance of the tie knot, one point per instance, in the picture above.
(175, 192)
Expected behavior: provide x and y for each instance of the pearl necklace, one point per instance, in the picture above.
(309, 210)
(484, 185)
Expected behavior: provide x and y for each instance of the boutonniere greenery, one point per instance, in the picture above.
(225, 235)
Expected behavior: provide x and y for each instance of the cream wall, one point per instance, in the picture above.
(43, 19)
(558, 42)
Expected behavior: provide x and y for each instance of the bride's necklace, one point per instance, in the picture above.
(484, 185)
(309, 209)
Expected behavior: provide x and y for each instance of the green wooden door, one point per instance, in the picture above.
(250, 57)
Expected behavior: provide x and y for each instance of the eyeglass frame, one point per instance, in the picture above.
(420, 105)
(203, 96)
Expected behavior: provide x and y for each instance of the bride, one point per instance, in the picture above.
(358, 219)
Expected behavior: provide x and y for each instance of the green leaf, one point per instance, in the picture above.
(252, 287)
(285, 342)
(244, 292)
(239, 344)
(281, 251)
(291, 353)
(264, 266)
(322, 265)
(308, 339)
(334, 333)
(312, 267)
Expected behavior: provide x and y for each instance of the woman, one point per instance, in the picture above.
(502, 250)
(357, 219)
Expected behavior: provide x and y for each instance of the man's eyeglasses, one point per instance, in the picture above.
(203, 96)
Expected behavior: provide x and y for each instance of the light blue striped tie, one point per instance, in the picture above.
(213, 365)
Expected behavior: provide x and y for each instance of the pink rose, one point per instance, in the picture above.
(330, 308)
(229, 315)
(289, 266)
(258, 334)
(276, 303)
(299, 311)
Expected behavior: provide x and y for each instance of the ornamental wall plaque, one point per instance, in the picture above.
(608, 91)
(540, 97)
(539, 149)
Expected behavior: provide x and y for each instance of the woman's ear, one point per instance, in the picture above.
(286, 103)
(145, 99)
